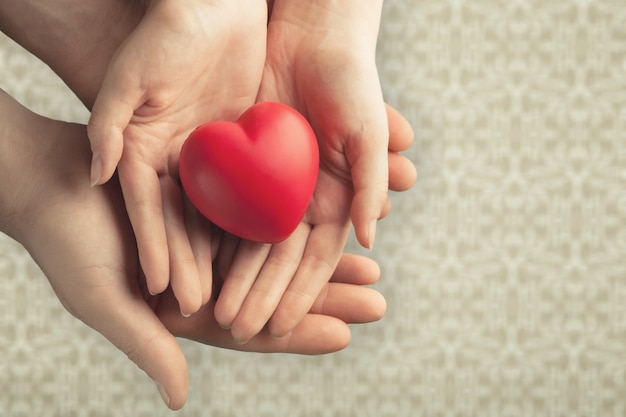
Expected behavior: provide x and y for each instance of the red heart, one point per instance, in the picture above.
(255, 177)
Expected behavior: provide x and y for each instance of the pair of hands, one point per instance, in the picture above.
(329, 75)
(187, 64)
(81, 238)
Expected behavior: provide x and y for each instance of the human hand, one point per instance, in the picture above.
(83, 82)
(82, 240)
(183, 65)
(257, 275)
(78, 41)
(320, 60)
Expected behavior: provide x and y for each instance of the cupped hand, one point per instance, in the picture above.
(320, 61)
(263, 281)
(85, 75)
(183, 65)
(82, 240)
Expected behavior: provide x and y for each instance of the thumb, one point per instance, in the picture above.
(370, 177)
(157, 353)
(134, 329)
(112, 111)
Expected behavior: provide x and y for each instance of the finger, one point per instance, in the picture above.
(386, 209)
(320, 258)
(314, 334)
(267, 290)
(184, 276)
(350, 303)
(133, 327)
(356, 269)
(400, 131)
(142, 196)
(402, 172)
(112, 111)
(226, 254)
(367, 156)
(276, 275)
(204, 243)
(247, 263)
(217, 237)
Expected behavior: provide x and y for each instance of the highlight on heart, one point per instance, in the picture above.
(253, 177)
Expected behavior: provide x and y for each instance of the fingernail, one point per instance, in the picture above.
(185, 315)
(240, 341)
(163, 393)
(371, 234)
(96, 169)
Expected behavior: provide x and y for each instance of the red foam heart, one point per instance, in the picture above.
(254, 177)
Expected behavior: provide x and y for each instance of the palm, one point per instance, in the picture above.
(331, 201)
(186, 95)
(337, 93)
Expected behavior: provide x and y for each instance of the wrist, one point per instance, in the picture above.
(358, 17)
(24, 164)
(345, 29)
(13, 153)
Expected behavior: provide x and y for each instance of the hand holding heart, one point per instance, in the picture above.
(320, 60)
(182, 65)
(146, 107)
(155, 103)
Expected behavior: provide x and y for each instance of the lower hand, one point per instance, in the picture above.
(82, 240)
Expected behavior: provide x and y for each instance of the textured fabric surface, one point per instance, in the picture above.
(504, 267)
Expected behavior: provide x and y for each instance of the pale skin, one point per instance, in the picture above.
(315, 62)
(92, 35)
(320, 60)
(158, 70)
(82, 240)
(157, 88)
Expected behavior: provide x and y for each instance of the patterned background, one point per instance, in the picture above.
(504, 267)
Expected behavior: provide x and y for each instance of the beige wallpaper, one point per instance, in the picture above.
(504, 268)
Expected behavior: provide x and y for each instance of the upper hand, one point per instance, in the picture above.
(183, 65)
(322, 64)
